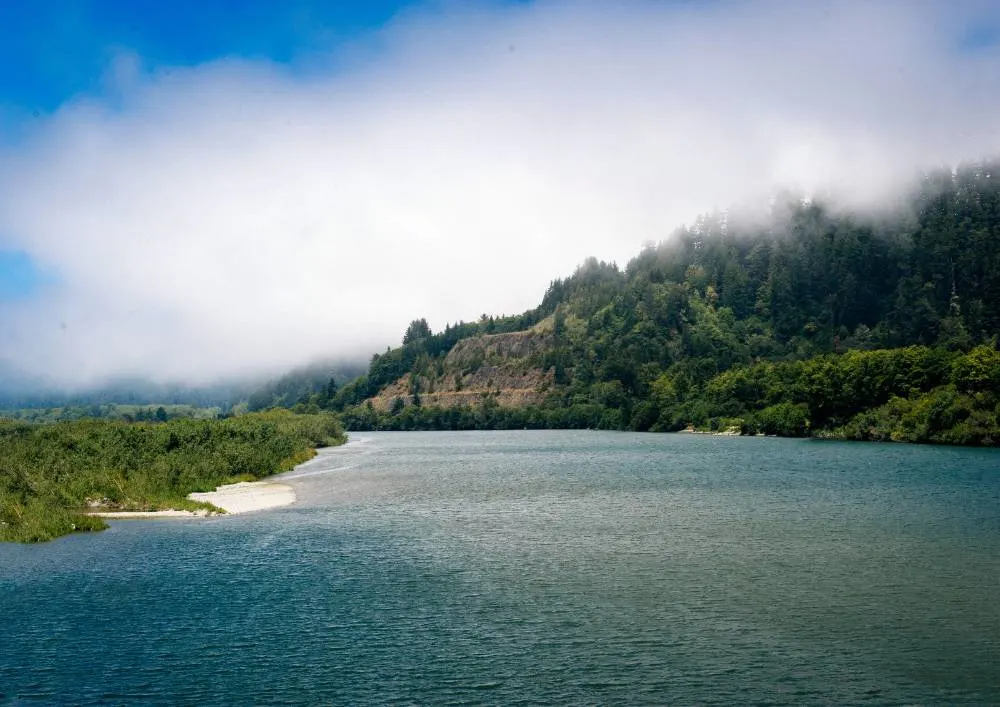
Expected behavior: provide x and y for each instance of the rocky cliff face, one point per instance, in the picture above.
(504, 367)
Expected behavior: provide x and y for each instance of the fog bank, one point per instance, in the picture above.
(241, 216)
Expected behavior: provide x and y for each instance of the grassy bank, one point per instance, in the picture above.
(51, 473)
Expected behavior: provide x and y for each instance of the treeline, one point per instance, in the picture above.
(50, 474)
(139, 399)
(16, 394)
(913, 394)
(487, 415)
(306, 389)
(113, 411)
(791, 291)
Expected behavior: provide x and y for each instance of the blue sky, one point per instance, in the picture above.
(19, 276)
(53, 51)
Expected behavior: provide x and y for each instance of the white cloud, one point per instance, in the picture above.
(240, 216)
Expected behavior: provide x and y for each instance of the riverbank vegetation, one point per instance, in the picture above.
(914, 394)
(51, 474)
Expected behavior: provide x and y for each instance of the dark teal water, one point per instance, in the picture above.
(537, 568)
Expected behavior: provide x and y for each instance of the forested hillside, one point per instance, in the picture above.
(811, 320)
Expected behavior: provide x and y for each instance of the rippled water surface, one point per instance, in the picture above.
(537, 567)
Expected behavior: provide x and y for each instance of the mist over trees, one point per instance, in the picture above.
(813, 320)
(140, 399)
(311, 387)
(36, 394)
(648, 346)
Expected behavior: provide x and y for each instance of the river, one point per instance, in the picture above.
(537, 567)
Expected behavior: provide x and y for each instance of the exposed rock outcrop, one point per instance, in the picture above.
(504, 367)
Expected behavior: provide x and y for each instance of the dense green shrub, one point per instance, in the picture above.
(51, 472)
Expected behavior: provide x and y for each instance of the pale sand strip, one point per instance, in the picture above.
(248, 496)
(243, 497)
(126, 515)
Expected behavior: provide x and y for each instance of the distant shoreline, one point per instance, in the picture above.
(728, 432)
(234, 499)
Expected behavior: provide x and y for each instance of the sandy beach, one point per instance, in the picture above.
(244, 497)
(248, 496)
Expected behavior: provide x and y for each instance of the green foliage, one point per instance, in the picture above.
(916, 394)
(943, 415)
(485, 416)
(783, 420)
(113, 411)
(418, 329)
(978, 371)
(309, 385)
(50, 473)
(913, 394)
(793, 324)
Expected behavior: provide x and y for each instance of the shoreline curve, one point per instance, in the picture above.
(234, 499)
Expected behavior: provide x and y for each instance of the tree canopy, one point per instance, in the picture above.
(650, 345)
